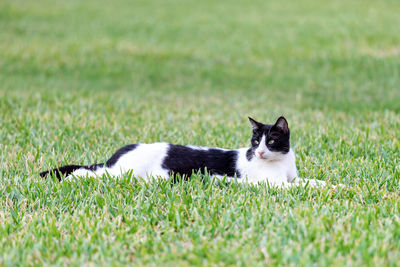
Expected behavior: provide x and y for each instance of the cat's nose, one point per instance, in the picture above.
(261, 153)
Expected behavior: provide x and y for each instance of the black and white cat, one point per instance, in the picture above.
(269, 158)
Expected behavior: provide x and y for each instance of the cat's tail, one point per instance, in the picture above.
(68, 169)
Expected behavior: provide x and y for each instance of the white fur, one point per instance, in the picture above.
(276, 172)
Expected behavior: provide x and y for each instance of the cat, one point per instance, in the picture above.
(269, 159)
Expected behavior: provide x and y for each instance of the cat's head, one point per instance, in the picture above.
(269, 142)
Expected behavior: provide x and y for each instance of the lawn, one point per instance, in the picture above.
(79, 79)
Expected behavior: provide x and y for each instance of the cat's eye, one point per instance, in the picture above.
(256, 142)
(270, 142)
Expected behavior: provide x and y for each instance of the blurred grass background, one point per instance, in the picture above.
(341, 55)
(79, 79)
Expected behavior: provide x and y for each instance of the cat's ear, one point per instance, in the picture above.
(255, 124)
(282, 125)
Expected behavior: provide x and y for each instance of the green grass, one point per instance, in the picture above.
(79, 79)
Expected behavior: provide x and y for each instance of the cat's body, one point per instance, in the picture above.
(164, 160)
(269, 159)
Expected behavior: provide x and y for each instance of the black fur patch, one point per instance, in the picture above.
(123, 150)
(184, 160)
(250, 153)
(94, 167)
(68, 169)
(61, 171)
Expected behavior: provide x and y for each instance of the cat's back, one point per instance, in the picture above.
(163, 159)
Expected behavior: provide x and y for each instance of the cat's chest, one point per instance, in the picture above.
(260, 170)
